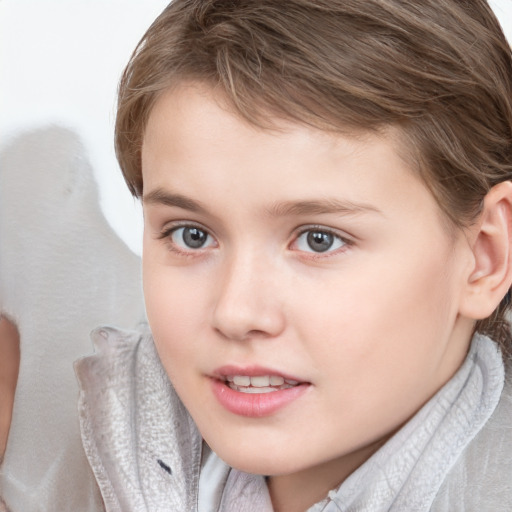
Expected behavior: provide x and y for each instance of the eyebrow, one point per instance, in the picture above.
(319, 207)
(160, 196)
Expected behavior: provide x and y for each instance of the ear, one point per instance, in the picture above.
(491, 275)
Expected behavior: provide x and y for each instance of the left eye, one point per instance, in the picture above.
(317, 240)
(190, 237)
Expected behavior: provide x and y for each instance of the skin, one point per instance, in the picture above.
(9, 366)
(375, 325)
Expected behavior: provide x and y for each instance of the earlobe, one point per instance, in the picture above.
(491, 275)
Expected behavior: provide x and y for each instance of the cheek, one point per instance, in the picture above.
(174, 310)
(378, 347)
(386, 318)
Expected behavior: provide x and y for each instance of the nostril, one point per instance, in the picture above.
(231, 333)
(9, 368)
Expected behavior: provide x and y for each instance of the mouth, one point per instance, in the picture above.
(255, 392)
(259, 383)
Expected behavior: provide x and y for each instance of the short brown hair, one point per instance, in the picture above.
(438, 70)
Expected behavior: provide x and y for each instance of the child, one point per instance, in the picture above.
(327, 255)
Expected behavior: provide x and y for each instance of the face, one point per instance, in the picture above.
(302, 287)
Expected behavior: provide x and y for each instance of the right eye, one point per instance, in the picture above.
(190, 237)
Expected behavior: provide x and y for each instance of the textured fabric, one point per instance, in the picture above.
(484, 469)
(131, 419)
(143, 447)
(223, 489)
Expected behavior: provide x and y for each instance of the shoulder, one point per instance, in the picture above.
(481, 479)
(136, 433)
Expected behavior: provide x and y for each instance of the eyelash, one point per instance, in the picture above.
(166, 236)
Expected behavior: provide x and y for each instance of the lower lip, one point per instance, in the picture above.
(255, 405)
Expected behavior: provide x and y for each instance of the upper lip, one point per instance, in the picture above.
(251, 371)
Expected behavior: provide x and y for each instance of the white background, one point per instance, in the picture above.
(60, 63)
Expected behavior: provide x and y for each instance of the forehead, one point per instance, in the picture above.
(194, 142)
(193, 113)
(195, 101)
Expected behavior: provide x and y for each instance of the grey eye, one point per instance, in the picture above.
(190, 237)
(319, 241)
(316, 240)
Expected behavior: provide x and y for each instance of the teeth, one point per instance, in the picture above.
(257, 390)
(259, 383)
(241, 380)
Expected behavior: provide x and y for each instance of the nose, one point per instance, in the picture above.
(247, 304)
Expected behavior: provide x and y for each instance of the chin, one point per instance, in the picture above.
(257, 461)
